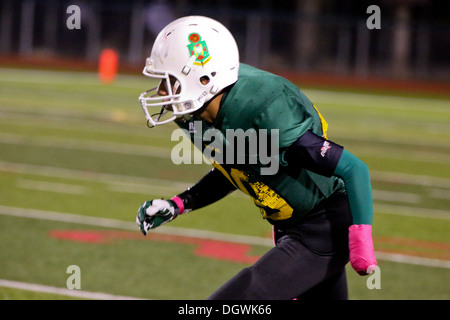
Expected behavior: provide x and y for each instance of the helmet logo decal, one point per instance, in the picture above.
(199, 49)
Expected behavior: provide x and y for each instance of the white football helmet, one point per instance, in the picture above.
(194, 58)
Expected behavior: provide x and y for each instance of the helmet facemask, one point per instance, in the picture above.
(165, 99)
(162, 103)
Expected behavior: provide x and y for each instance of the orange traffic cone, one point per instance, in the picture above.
(108, 64)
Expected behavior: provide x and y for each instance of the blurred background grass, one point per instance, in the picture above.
(72, 148)
(71, 145)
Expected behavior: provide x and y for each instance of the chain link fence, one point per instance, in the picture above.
(404, 39)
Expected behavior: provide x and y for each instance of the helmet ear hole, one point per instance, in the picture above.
(204, 80)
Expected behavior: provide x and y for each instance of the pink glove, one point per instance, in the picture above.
(362, 256)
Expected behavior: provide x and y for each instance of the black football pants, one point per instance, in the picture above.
(308, 261)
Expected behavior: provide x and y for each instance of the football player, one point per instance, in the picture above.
(319, 201)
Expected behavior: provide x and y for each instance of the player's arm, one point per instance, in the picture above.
(355, 174)
(328, 158)
(211, 188)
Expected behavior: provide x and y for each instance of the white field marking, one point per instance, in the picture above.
(124, 225)
(412, 211)
(401, 258)
(393, 196)
(138, 188)
(62, 291)
(90, 145)
(410, 157)
(193, 233)
(46, 76)
(439, 194)
(146, 189)
(376, 101)
(123, 183)
(413, 179)
(369, 100)
(165, 152)
(318, 96)
(53, 77)
(82, 175)
(51, 186)
(22, 118)
(116, 183)
(128, 184)
(344, 134)
(78, 124)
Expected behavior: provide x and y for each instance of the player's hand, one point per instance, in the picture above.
(362, 255)
(154, 213)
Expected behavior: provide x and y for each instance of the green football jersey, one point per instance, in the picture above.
(260, 116)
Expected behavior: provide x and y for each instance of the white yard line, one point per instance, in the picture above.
(124, 225)
(50, 186)
(412, 211)
(393, 196)
(193, 233)
(401, 258)
(89, 145)
(413, 179)
(62, 291)
(54, 77)
(123, 183)
(439, 194)
(82, 175)
(367, 100)
(165, 152)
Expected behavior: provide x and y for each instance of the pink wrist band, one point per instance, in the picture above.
(362, 256)
(179, 203)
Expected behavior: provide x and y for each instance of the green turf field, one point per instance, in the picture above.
(77, 160)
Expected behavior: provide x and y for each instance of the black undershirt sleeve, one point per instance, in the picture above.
(211, 188)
